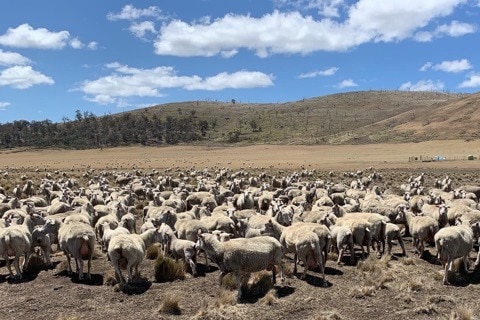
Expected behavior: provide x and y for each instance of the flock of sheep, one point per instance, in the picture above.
(240, 221)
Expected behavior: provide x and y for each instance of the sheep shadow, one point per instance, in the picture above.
(139, 286)
(95, 279)
(203, 270)
(316, 281)
(253, 297)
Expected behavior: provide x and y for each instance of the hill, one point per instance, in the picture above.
(354, 117)
(346, 118)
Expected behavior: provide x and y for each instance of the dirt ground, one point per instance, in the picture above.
(396, 288)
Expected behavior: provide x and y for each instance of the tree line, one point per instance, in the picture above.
(90, 131)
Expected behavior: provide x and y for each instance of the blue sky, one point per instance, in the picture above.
(102, 56)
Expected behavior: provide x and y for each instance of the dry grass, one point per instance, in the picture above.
(225, 298)
(109, 278)
(462, 313)
(170, 304)
(270, 298)
(167, 269)
(328, 315)
(68, 317)
(153, 252)
(258, 284)
(428, 310)
(414, 284)
(374, 265)
(360, 292)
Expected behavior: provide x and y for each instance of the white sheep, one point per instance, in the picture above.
(421, 228)
(128, 221)
(243, 255)
(130, 249)
(180, 248)
(16, 240)
(302, 243)
(109, 233)
(77, 240)
(341, 237)
(451, 243)
(360, 229)
(393, 232)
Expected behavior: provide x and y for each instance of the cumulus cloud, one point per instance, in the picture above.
(23, 77)
(453, 66)
(8, 58)
(279, 33)
(140, 29)
(4, 105)
(472, 82)
(75, 43)
(327, 72)
(422, 85)
(129, 12)
(126, 81)
(327, 8)
(24, 36)
(346, 83)
(92, 45)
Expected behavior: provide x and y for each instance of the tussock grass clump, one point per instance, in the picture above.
(430, 310)
(462, 313)
(225, 298)
(109, 278)
(372, 264)
(360, 292)
(258, 284)
(166, 269)
(415, 284)
(408, 261)
(170, 304)
(35, 263)
(270, 298)
(153, 251)
(436, 299)
(207, 312)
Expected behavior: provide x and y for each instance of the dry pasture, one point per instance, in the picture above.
(387, 288)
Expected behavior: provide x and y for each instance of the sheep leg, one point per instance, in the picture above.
(220, 278)
(9, 267)
(16, 263)
(477, 261)
(238, 277)
(340, 254)
(352, 253)
(448, 267)
(118, 272)
(79, 268)
(295, 263)
(193, 267)
(402, 245)
(69, 266)
(89, 266)
(25, 261)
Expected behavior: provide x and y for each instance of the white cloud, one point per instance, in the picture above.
(8, 58)
(293, 33)
(422, 85)
(140, 29)
(4, 105)
(23, 77)
(346, 83)
(473, 82)
(75, 43)
(453, 66)
(92, 45)
(126, 81)
(454, 29)
(426, 66)
(327, 72)
(129, 12)
(24, 36)
(236, 80)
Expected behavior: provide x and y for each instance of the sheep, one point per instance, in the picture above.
(438, 212)
(451, 243)
(16, 240)
(360, 229)
(109, 233)
(77, 240)
(179, 248)
(421, 228)
(130, 249)
(128, 221)
(392, 232)
(377, 227)
(44, 240)
(219, 222)
(342, 236)
(302, 243)
(243, 255)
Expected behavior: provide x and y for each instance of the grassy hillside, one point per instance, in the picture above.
(356, 117)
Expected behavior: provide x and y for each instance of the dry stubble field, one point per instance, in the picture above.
(407, 288)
